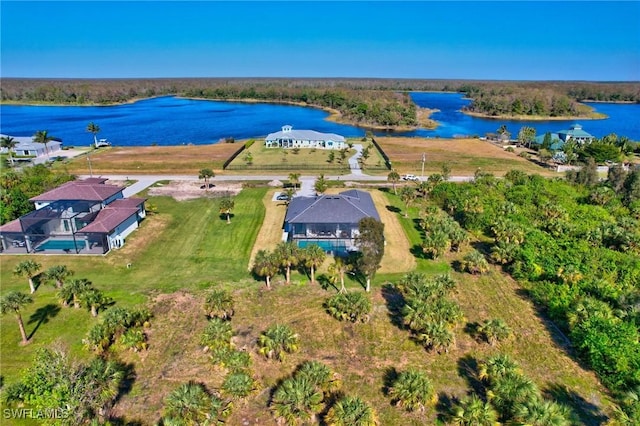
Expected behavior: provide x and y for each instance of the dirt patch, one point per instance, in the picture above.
(271, 230)
(187, 190)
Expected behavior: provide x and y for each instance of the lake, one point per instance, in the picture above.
(176, 121)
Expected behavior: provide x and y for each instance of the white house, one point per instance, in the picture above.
(27, 147)
(290, 138)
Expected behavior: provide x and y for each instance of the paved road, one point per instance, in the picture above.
(145, 181)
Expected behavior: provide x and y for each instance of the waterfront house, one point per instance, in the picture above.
(80, 217)
(574, 133)
(331, 221)
(290, 138)
(26, 147)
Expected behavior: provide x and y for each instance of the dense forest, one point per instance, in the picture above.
(574, 245)
(367, 102)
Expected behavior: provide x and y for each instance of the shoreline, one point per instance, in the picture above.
(593, 116)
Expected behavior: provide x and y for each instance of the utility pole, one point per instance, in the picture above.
(423, 160)
(89, 161)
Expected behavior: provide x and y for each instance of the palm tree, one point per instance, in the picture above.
(351, 411)
(28, 268)
(314, 256)
(472, 411)
(475, 263)
(337, 270)
(43, 137)
(94, 129)
(496, 367)
(94, 299)
(288, 255)
(494, 330)
(294, 178)
(408, 195)
(9, 143)
(226, 205)
(297, 398)
(58, 274)
(238, 385)
(14, 301)
(412, 390)
(71, 291)
(321, 184)
(206, 174)
(191, 404)
(539, 412)
(266, 265)
(277, 341)
(394, 178)
(219, 303)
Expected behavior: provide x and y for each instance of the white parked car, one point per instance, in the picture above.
(410, 177)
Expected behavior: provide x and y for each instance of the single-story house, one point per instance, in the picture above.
(80, 217)
(331, 221)
(28, 148)
(558, 139)
(290, 138)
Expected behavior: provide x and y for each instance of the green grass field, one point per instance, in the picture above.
(187, 244)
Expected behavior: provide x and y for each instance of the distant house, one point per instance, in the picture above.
(290, 138)
(331, 221)
(28, 148)
(79, 217)
(575, 134)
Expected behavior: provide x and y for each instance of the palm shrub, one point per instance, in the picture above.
(351, 411)
(412, 390)
(472, 411)
(494, 330)
(192, 404)
(296, 399)
(475, 263)
(510, 391)
(217, 334)
(232, 359)
(320, 376)
(134, 339)
(496, 367)
(219, 303)
(538, 412)
(349, 306)
(277, 341)
(238, 385)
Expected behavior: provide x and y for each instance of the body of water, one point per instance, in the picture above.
(177, 121)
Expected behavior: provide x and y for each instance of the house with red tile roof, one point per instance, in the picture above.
(80, 217)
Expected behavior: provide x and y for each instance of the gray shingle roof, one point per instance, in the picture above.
(346, 207)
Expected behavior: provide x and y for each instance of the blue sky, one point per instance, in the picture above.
(466, 40)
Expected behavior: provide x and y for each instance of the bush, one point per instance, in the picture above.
(350, 306)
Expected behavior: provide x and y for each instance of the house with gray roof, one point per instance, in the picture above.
(26, 147)
(293, 138)
(574, 133)
(330, 221)
(80, 217)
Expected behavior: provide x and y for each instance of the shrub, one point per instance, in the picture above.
(350, 306)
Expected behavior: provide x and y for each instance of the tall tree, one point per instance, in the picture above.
(58, 274)
(29, 269)
(43, 137)
(294, 178)
(407, 195)
(394, 178)
(314, 256)
(370, 242)
(14, 301)
(206, 174)
(94, 300)
(321, 184)
(266, 265)
(9, 143)
(94, 129)
(337, 270)
(526, 136)
(226, 205)
(288, 255)
(72, 290)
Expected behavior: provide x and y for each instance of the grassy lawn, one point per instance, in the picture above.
(184, 160)
(463, 156)
(186, 244)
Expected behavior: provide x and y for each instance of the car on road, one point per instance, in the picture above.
(410, 177)
(282, 197)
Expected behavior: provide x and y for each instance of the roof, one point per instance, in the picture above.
(311, 135)
(346, 207)
(92, 181)
(27, 143)
(575, 131)
(79, 190)
(108, 219)
(131, 203)
(13, 226)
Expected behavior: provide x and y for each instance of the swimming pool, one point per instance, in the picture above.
(60, 245)
(337, 247)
